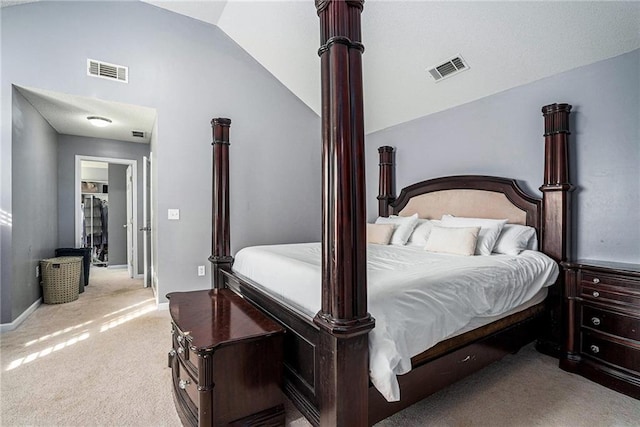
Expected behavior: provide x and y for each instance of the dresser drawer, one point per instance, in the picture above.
(611, 322)
(598, 347)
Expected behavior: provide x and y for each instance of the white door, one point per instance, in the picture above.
(146, 220)
(129, 224)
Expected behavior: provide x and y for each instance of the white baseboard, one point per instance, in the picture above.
(117, 266)
(163, 306)
(6, 327)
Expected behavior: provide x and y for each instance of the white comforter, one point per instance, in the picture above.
(417, 298)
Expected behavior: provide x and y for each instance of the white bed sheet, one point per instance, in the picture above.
(417, 298)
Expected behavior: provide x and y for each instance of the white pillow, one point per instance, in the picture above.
(489, 230)
(516, 238)
(421, 233)
(453, 240)
(380, 234)
(404, 227)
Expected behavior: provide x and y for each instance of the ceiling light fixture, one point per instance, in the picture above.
(98, 121)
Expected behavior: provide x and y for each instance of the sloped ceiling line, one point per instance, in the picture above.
(508, 43)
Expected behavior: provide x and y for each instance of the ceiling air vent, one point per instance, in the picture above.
(449, 68)
(105, 70)
(137, 133)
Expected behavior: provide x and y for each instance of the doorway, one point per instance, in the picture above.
(86, 231)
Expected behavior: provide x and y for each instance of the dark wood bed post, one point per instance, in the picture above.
(556, 214)
(343, 320)
(386, 179)
(220, 258)
(556, 189)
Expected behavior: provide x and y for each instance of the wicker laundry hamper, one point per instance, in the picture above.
(60, 278)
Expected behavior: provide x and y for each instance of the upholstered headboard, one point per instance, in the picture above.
(469, 196)
(464, 203)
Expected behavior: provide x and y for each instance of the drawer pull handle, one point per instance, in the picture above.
(180, 350)
(596, 280)
(172, 352)
(594, 348)
(595, 321)
(183, 383)
(596, 294)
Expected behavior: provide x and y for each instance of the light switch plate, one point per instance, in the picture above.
(201, 270)
(173, 214)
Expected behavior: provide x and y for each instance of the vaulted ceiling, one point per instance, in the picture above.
(506, 44)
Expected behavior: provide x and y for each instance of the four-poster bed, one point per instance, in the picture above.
(326, 358)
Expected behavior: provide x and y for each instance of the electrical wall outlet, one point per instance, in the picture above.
(201, 270)
(173, 214)
(37, 271)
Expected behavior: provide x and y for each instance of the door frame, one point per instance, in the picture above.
(146, 219)
(78, 199)
(129, 225)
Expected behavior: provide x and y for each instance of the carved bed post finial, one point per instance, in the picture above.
(386, 180)
(220, 258)
(343, 320)
(556, 189)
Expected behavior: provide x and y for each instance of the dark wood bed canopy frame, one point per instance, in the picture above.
(326, 360)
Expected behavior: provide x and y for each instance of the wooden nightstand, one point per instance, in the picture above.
(602, 323)
(226, 361)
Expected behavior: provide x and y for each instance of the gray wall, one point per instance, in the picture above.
(117, 234)
(34, 196)
(502, 135)
(189, 72)
(70, 146)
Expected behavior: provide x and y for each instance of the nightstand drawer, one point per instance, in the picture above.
(185, 388)
(188, 384)
(610, 296)
(607, 279)
(624, 356)
(611, 322)
(181, 345)
(610, 281)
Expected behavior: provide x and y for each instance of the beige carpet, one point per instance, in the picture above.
(102, 361)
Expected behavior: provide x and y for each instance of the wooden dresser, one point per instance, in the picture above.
(602, 323)
(226, 361)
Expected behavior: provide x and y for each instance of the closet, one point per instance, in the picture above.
(95, 198)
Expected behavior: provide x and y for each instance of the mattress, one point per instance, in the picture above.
(417, 298)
